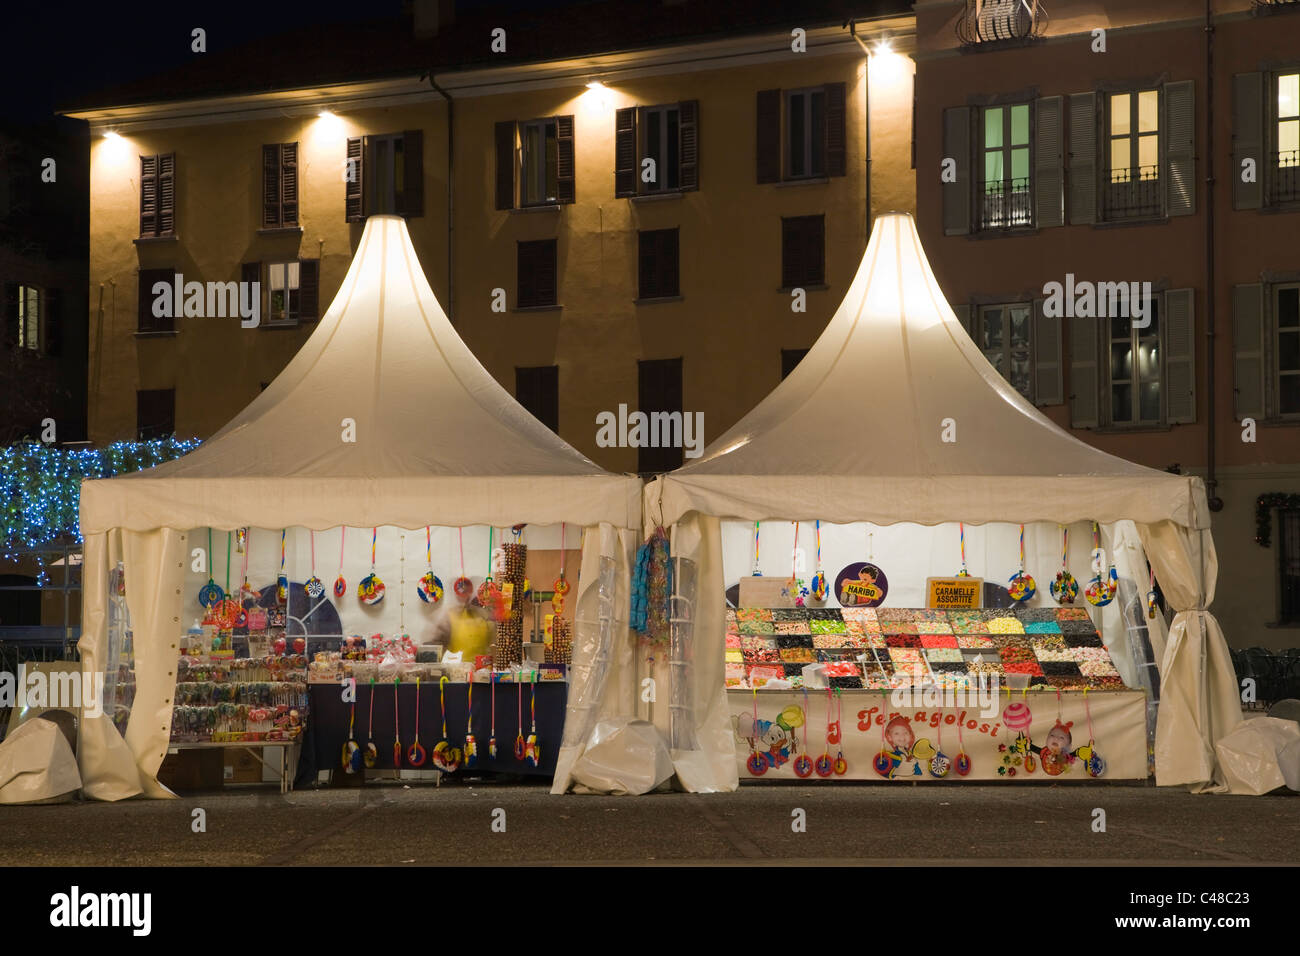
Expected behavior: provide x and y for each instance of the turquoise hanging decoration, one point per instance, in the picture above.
(652, 587)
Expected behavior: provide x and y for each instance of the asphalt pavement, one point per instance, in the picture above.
(389, 823)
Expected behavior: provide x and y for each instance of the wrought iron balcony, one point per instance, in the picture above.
(1005, 204)
(1274, 4)
(1133, 193)
(1284, 177)
(988, 21)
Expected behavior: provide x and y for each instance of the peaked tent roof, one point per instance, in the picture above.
(855, 433)
(438, 440)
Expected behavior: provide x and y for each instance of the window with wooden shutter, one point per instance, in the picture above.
(279, 185)
(1248, 140)
(1180, 356)
(538, 390)
(1284, 342)
(1049, 169)
(1085, 384)
(1049, 384)
(626, 171)
(411, 203)
(836, 134)
(806, 137)
(659, 389)
(1180, 149)
(52, 336)
(146, 321)
(1005, 334)
(31, 312)
(505, 171)
(1248, 351)
(1083, 159)
(803, 260)
(789, 359)
(536, 280)
(355, 184)
(155, 413)
(657, 264)
(157, 195)
(957, 187)
(768, 142)
(689, 152)
(309, 289)
(1136, 367)
(11, 315)
(565, 161)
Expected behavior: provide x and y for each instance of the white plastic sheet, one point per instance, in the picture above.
(623, 756)
(36, 764)
(1261, 755)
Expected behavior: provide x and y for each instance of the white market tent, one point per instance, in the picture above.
(437, 441)
(856, 434)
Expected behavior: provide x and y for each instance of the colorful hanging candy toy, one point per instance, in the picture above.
(961, 530)
(430, 586)
(282, 581)
(471, 745)
(226, 612)
(1022, 586)
(211, 592)
(561, 585)
(372, 752)
(416, 755)
(1103, 585)
(803, 764)
(340, 585)
(314, 586)
(940, 763)
(817, 587)
(370, 590)
(445, 757)
(1064, 589)
(532, 750)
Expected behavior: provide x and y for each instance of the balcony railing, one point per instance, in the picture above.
(1005, 204)
(987, 21)
(1133, 193)
(1284, 181)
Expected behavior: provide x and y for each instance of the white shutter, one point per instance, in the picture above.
(1049, 176)
(1180, 356)
(1247, 138)
(1085, 385)
(1248, 338)
(957, 195)
(1083, 158)
(1049, 387)
(1180, 148)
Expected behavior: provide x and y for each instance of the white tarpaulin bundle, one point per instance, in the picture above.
(895, 415)
(384, 417)
(36, 764)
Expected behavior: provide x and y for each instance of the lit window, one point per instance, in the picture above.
(539, 149)
(29, 317)
(1005, 197)
(1134, 155)
(805, 133)
(283, 300)
(1135, 369)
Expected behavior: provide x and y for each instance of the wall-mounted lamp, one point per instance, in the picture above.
(111, 135)
(595, 85)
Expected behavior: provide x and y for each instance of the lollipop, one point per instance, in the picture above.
(1064, 589)
(445, 757)
(314, 587)
(1101, 592)
(430, 588)
(415, 756)
(940, 763)
(340, 585)
(1022, 586)
(370, 590)
(463, 588)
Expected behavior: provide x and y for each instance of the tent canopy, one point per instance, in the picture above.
(436, 437)
(861, 429)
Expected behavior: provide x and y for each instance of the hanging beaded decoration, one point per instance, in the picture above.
(561, 585)
(1022, 586)
(430, 586)
(652, 585)
(282, 581)
(1065, 589)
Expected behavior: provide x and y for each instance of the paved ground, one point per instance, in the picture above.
(389, 824)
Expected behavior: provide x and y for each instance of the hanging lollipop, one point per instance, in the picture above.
(521, 745)
(1151, 596)
(940, 763)
(370, 590)
(756, 764)
(1055, 754)
(824, 765)
(314, 587)
(1022, 586)
(1093, 763)
(1103, 585)
(961, 530)
(227, 611)
(211, 592)
(803, 764)
(492, 738)
(1065, 589)
(471, 745)
(282, 581)
(561, 585)
(372, 752)
(757, 572)
(445, 757)
(962, 762)
(397, 730)
(430, 586)
(882, 763)
(340, 585)
(462, 587)
(841, 766)
(352, 756)
(795, 589)
(531, 748)
(416, 754)
(817, 586)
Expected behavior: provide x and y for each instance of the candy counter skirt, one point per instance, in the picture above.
(329, 723)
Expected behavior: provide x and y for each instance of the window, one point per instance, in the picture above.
(282, 293)
(538, 390)
(1286, 346)
(29, 317)
(803, 261)
(789, 359)
(155, 411)
(668, 135)
(385, 175)
(1133, 153)
(288, 292)
(659, 389)
(158, 196)
(657, 264)
(279, 185)
(535, 162)
(1288, 566)
(146, 321)
(1266, 351)
(1285, 180)
(1135, 371)
(810, 144)
(1004, 197)
(1005, 336)
(537, 283)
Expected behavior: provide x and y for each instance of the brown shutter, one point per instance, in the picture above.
(564, 163)
(625, 152)
(411, 202)
(536, 281)
(52, 340)
(167, 194)
(688, 119)
(353, 190)
(768, 145)
(791, 254)
(148, 196)
(288, 184)
(309, 289)
(11, 315)
(271, 207)
(669, 263)
(146, 321)
(836, 139)
(505, 140)
(657, 264)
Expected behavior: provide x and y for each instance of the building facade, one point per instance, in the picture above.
(1110, 197)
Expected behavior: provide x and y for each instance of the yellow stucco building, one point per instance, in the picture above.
(618, 229)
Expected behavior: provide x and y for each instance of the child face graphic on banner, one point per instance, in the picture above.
(905, 752)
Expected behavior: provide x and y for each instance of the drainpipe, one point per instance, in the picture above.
(451, 179)
(1211, 481)
(866, 115)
